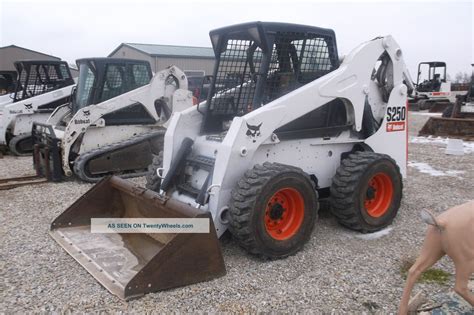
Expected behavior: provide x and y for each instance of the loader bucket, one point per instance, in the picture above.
(130, 265)
(461, 128)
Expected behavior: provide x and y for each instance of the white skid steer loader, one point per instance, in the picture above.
(255, 158)
(433, 88)
(457, 120)
(115, 121)
(42, 86)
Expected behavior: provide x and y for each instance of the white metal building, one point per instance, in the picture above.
(186, 58)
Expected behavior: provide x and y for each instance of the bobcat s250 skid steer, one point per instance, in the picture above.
(42, 86)
(115, 121)
(255, 158)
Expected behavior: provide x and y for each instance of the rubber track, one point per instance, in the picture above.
(344, 187)
(81, 161)
(153, 182)
(244, 196)
(13, 143)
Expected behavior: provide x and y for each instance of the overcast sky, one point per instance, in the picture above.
(425, 30)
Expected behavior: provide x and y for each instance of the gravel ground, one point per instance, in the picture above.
(337, 271)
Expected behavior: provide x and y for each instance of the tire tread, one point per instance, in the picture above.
(244, 196)
(344, 188)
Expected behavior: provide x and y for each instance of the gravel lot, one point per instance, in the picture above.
(337, 271)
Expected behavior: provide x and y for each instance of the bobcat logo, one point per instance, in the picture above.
(87, 112)
(29, 106)
(253, 131)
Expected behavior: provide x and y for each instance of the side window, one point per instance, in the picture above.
(64, 72)
(84, 86)
(114, 81)
(141, 75)
(52, 73)
(281, 78)
(236, 79)
(113, 77)
(22, 88)
(41, 74)
(315, 57)
(41, 83)
(297, 59)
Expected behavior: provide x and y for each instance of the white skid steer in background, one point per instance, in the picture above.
(115, 121)
(457, 120)
(255, 158)
(42, 86)
(433, 90)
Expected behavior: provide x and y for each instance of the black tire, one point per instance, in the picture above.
(448, 111)
(250, 218)
(351, 190)
(21, 145)
(153, 182)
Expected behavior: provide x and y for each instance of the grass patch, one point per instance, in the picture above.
(432, 275)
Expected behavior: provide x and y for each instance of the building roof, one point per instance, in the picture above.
(34, 51)
(170, 50)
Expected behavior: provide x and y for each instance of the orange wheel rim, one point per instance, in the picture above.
(284, 214)
(379, 195)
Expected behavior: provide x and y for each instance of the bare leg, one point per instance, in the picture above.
(430, 253)
(462, 278)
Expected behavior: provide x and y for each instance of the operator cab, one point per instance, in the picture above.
(101, 79)
(430, 76)
(259, 62)
(37, 77)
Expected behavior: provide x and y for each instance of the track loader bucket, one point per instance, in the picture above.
(461, 128)
(130, 265)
